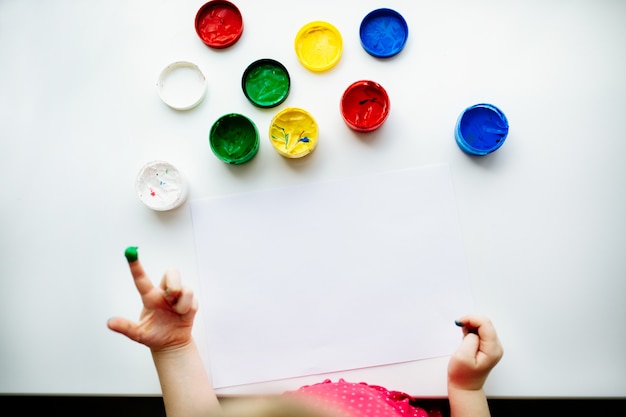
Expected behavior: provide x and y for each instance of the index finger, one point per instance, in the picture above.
(482, 325)
(142, 282)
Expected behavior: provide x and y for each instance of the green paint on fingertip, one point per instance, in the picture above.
(466, 326)
(131, 253)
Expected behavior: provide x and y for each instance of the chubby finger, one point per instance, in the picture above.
(142, 281)
(469, 347)
(123, 326)
(486, 331)
(171, 286)
(171, 281)
(186, 302)
(480, 325)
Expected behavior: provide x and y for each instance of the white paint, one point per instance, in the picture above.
(160, 186)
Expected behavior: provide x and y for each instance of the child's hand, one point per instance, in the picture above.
(168, 312)
(479, 352)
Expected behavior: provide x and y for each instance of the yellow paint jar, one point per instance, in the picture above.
(318, 45)
(293, 132)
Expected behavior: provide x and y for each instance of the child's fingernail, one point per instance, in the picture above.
(131, 253)
(458, 323)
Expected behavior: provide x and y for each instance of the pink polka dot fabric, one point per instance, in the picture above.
(359, 399)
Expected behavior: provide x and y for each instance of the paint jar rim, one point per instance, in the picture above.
(167, 200)
(219, 42)
(373, 92)
(194, 91)
(498, 129)
(303, 56)
(256, 100)
(395, 29)
(251, 143)
(312, 137)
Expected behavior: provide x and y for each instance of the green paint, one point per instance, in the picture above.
(234, 139)
(266, 83)
(131, 253)
(469, 329)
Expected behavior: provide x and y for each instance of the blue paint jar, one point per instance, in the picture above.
(481, 129)
(383, 33)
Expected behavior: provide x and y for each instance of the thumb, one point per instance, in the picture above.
(469, 347)
(122, 326)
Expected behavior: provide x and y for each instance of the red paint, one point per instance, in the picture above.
(219, 24)
(365, 106)
(152, 192)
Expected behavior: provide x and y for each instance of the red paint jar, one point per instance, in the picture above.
(365, 106)
(219, 24)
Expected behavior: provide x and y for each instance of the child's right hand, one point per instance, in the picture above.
(168, 312)
(478, 353)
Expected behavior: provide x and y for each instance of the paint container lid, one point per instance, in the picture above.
(365, 106)
(293, 132)
(266, 83)
(234, 139)
(161, 186)
(481, 129)
(219, 24)
(182, 85)
(318, 46)
(383, 33)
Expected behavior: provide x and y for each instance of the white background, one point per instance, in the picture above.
(543, 219)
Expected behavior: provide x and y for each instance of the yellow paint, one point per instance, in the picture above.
(293, 132)
(318, 46)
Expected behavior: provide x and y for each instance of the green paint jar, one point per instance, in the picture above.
(234, 139)
(266, 83)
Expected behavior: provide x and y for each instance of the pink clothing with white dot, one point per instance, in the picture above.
(360, 399)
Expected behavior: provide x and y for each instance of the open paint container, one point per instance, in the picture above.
(481, 129)
(266, 83)
(365, 106)
(234, 139)
(383, 33)
(161, 186)
(219, 24)
(293, 132)
(318, 45)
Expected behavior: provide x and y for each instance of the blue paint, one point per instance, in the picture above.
(481, 129)
(383, 33)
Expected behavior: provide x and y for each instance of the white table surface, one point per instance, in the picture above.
(543, 219)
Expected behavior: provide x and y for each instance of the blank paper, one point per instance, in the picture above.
(331, 276)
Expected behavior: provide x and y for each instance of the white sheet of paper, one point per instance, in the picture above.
(331, 276)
